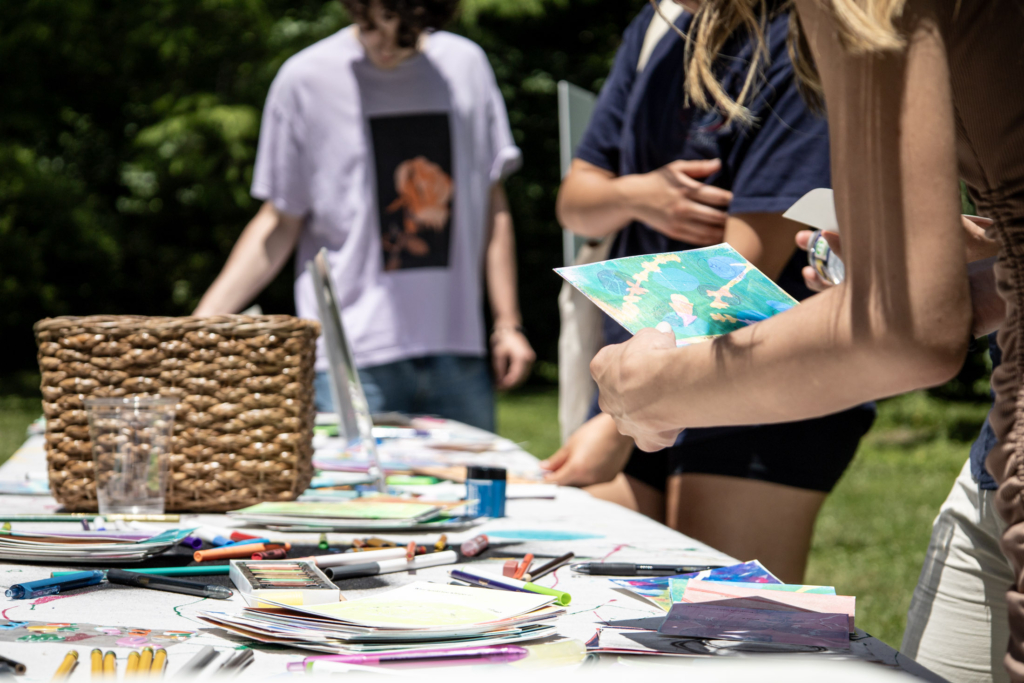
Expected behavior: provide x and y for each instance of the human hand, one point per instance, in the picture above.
(815, 282)
(627, 375)
(672, 201)
(512, 356)
(977, 246)
(594, 454)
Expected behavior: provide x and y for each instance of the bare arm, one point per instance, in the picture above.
(257, 257)
(902, 318)
(593, 202)
(764, 239)
(511, 352)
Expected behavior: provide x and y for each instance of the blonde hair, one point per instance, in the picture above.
(863, 26)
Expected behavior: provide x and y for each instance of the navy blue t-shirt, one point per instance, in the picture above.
(641, 122)
(986, 440)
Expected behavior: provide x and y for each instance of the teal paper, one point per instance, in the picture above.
(676, 588)
(700, 293)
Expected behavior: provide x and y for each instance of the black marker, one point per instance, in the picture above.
(627, 569)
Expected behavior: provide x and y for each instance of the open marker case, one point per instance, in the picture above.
(289, 582)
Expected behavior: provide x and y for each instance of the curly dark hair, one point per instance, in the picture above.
(415, 16)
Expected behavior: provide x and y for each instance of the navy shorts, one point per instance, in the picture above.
(810, 454)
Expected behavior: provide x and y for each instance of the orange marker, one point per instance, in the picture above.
(237, 552)
(410, 551)
(524, 566)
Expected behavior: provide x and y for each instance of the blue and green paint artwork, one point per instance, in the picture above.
(699, 293)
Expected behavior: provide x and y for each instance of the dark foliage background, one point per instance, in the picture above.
(129, 129)
(128, 132)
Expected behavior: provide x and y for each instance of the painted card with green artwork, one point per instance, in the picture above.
(700, 293)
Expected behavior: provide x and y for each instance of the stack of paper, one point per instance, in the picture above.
(55, 546)
(376, 514)
(415, 616)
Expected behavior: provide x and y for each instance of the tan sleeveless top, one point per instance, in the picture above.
(985, 39)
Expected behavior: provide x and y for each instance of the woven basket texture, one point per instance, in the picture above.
(244, 418)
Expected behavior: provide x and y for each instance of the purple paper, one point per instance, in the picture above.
(757, 625)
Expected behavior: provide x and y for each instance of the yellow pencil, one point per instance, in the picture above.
(145, 660)
(110, 666)
(159, 661)
(64, 670)
(97, 664)
(133, 665)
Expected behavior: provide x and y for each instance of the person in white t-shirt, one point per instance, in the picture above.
(387, 143)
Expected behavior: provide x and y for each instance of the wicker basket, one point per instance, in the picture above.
(244, 419)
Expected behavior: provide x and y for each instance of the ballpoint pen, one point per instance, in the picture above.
(629, 569)
(53, 586)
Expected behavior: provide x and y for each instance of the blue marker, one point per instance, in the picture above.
(38, 589)
(247, 541)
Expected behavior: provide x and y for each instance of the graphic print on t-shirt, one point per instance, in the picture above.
(413, 156)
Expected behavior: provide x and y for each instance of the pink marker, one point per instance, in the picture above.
(453, 656)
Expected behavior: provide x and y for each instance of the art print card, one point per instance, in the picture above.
(656, 589)
(763, 626)
(676, 587)
(755, 597)
(700, 293)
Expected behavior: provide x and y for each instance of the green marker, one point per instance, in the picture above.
(217, 569)
(482, 579)
(324, 545)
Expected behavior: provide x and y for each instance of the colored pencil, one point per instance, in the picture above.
(159, 662)
(110, 666)
(133, 665)
(65, 668)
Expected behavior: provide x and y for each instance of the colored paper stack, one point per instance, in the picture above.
(75, 546)
(352, 515)
(417, 616)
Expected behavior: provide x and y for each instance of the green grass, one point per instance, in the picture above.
(873, 530)
(16, 414)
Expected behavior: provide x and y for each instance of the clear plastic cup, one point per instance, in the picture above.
(131, 441)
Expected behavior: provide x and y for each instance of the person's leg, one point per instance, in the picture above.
(957, 623)
(457, 388)
(747, 518)
(756, 492)
(322, 396)
(630, 492)
(389, 387)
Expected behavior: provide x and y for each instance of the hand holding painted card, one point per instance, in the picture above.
(700, 293)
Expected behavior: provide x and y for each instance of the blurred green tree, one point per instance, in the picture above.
(129, 132)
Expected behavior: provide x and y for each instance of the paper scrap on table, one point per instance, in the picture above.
(89, 635)
(676, 587)
(762, 626)
(755, 597)
(700, 293)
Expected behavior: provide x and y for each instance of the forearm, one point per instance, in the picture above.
(595, 203)
(818, 358)
(502, 285)
(257, 257)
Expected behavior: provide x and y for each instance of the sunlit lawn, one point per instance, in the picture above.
(873, 531)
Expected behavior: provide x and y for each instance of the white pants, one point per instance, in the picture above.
(957, 624)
